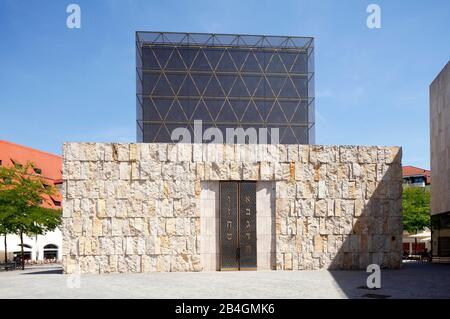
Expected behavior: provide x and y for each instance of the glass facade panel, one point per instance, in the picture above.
(226, 81)
(440, 235)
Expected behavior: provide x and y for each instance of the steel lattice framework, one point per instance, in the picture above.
(225, 81)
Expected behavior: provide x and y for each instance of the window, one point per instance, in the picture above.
(50, 251)
(37, 170)
(17, 165)
(57, 203)
(0, 162)
(440, 235)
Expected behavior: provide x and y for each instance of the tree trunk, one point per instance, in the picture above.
(21, 251)
(415, 244)
(6, 250)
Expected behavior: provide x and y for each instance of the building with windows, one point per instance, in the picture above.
(415, 176)
(49, 168)
(225, 81)
(440, 165)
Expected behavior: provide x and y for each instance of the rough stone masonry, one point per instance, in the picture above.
(137, 207)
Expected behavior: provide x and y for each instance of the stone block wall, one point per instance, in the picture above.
(137, 207)
(440, 142)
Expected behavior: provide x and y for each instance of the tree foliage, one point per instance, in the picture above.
(416, 209)
(21, 194)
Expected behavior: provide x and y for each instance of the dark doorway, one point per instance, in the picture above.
(238, 226)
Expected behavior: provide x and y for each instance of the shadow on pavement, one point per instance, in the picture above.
(45, 272)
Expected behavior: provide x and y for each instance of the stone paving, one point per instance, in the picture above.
(414, 280)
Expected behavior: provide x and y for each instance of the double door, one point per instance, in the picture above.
(238, 225)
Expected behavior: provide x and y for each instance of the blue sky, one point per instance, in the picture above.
(59, 84)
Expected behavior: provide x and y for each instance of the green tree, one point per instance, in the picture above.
(5, 228)
(21, 194)
(416, 209)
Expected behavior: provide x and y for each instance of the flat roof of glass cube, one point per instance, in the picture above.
(228, 40)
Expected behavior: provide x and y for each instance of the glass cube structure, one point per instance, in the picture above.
(226, 81)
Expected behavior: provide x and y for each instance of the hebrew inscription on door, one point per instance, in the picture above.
(238, 225)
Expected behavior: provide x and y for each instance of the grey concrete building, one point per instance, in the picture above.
(440, 165)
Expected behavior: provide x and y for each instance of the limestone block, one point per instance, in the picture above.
(305, 207)
(163, 263)
(148, 263)
(367, 154)
(306, 189)
(170, 226)
(121, 152)
(348, 154)
(229, 153)
(235, 171)
(318, 243)
(77, 226)
(286, 190)
(282, 171)
(304, 171)
(322, 190)
(184, 152)
(133, 153)
(71, 152)
(112, 263)
(288, 261)
(180, 263)
(121, 264)
(67, 208)
(270, 153)
(392, 154)
(323, 154)
(133, 263)
(267, 171)
(321, 208)
(71, 170)
(196, 262)
(140, 246)
(130, 248)
(303, 153)
(283, 207)
(216, 171)
(124, 171)
(162, 152)
(370, 172)
(282, 153)
(213, 153)
(97, 227)
(293, 153)
(250, 171)
(172, 152)
(179, 245)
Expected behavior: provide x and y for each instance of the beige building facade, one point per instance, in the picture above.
(163, 207)
(440, 165)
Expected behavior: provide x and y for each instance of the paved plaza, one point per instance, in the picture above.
(414, 280)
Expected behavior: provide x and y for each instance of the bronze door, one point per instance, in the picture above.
(238, 225)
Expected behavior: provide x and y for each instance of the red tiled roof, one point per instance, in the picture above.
(416, 171)
(49, 164)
